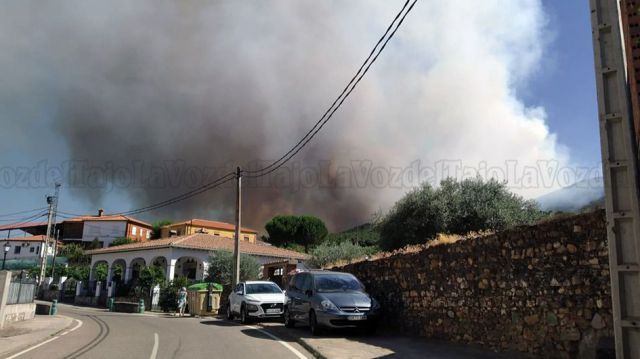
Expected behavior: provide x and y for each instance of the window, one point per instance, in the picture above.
(331, 282)
(32, 249)
(306, 284)
(260, 288)
(246, 238)
(300, 280)
(16, 249)
(133, 230)
(148, 234)
(216, 233)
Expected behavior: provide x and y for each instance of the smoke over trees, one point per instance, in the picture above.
(151, 99)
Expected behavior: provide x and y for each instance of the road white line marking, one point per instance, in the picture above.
(47, 341)
(154, 352)
(285, 344)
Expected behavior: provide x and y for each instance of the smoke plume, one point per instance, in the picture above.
(178, 86)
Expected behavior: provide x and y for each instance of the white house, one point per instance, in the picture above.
(25, 248)
(104, 228)
(186, 256)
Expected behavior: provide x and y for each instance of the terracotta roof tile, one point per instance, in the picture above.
(206, 242)
(211, 224)
(108, 217)
(38, 238)
(20, 225)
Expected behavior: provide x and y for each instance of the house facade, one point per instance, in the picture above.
(104, 229)
(26, 248)
(216, 228)
(186, 256)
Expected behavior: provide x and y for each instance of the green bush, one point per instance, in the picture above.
(221, 267)
(121, 241)
(169, 295)
(455, 208)
(306, 231)
(326, 254)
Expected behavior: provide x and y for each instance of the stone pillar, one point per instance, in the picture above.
(98, 288)
(78, 288)
(127, 274)
(171, 269)
(5, 282)
(109, 273)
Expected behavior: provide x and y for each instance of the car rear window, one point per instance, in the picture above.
(337, 282)
(260, 288)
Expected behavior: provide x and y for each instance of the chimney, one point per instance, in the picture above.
(100, 212)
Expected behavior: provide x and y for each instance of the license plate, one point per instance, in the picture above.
(276, 310)
(357, 317)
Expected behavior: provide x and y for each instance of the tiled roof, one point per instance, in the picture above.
(21, 225)
(108, 217)
(38, 238)
(205, 242)
(211, 224)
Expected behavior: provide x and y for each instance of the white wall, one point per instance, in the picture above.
(104, 231)
(25, 249)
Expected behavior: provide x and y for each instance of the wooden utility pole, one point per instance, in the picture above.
(236, 248)
(43, 256)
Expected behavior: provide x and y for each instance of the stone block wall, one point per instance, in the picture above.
(540, 289)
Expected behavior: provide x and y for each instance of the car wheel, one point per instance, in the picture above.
(229, 312)
(288, 321)
(313, 324)
(244, 317)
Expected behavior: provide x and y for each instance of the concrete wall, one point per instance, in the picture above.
(12, 312)
(19, 312)
(542, 289)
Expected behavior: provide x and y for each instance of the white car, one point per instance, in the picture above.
(256, 299)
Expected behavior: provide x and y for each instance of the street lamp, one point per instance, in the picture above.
(7, 247)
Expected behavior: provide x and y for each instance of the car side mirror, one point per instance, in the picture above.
(239, 292)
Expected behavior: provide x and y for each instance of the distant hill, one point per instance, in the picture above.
(580, 195)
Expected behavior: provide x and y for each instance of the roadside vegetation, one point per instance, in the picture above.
(425, 216)
(456, 207)
(221, 266)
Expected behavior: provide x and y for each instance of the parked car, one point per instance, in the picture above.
(324, 300)
(256, 299)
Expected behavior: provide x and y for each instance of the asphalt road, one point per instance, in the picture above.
(100, 334)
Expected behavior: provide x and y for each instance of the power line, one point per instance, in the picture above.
(21, 212)
(364, 68)
(27, 220)
(384, 39)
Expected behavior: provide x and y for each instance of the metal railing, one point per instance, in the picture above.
(21, 291)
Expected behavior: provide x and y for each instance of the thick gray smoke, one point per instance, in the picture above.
(181, 86)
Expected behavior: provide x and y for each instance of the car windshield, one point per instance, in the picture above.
(260, 288)
(337, 282)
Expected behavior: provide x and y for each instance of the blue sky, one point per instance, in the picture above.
(565, 83)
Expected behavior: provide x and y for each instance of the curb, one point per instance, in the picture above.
(310, 348)
(43, 339)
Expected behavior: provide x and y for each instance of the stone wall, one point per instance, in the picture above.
(540, 289)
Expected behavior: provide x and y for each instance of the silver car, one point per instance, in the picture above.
(256, 299)
(327, 300)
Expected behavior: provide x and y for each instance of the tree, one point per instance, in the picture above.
(150, 276)
(311, 231)
(415, 218)
(157, 227)
(326, 253)
(221, 267)
(282, 230)
(101, 272)
(74, 254)
(306, 231)
(456, 207)
(121, 241)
